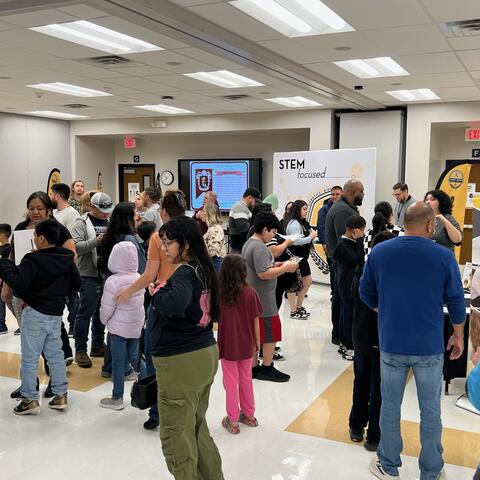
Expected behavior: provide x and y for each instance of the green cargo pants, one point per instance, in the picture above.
(184, 383)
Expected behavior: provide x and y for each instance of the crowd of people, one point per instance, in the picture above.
(158, 281)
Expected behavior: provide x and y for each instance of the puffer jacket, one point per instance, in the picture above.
(125, 320)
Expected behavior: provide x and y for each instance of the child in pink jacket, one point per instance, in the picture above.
(124, 321)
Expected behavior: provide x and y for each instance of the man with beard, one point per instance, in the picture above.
(335, 226)
(77, 190)
(64, 213)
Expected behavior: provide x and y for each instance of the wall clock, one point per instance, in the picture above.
(167, 177)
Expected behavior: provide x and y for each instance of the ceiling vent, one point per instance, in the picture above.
(235, 97)
(110, 62)
(75, 106)
(461, 28)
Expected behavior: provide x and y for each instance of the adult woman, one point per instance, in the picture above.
(214, 236)
(140, 209)
(382, 221)
(296, 224)
(447, 230)
(158, 269)
(185, 353)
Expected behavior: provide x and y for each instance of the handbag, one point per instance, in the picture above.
(144, 392)
(297, 281)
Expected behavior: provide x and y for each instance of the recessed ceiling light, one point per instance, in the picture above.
(52, 114)
(294, 102)
(94, 36)
(373, 67)
(225, 79)
(164, 109)
(67, 89)
(414, 95)
(294, 18)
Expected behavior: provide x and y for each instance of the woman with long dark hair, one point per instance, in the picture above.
(297, 225)
(185, 353)
(447, 230)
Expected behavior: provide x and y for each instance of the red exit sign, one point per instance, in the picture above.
(129, 142)
(472, 134)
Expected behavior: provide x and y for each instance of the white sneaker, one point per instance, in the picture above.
(131, 377)
(377, 470)
(442, 475)
(109, 402)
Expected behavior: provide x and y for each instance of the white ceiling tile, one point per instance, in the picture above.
(408, 40)
(181, 82)
(7, 26)
(141, 71)
(82, 70)
(163, 57)
(444, 62)
(448, 10)
(144, 85)
(85, 12)
(470, 58)
(10, 55)
(39, 17)
(207, 58)
(458, 93)
(465, 43)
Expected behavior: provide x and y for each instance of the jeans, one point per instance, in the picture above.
(150, 368)
(367, 398)
(66, 348)
(336, 310)
(346, 320)
(217, 263)
(427, 370)
(122, 349)
(72, 306)
(41, 333)
(90, 294)
(107, 360)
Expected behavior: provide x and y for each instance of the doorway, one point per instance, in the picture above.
(133, 179)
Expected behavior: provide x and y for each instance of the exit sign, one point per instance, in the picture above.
(129, 142)
(472, 134)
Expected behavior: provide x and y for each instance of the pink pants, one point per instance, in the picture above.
(237, 380)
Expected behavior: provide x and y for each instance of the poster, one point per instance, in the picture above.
(133, 189)
(310, 175)
(23, 243)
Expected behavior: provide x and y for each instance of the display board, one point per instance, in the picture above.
(310, 175)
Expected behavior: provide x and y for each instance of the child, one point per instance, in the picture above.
(124, 321)
(145, 230)
(43, 280)
(5, 249)
(367, 397)
(348, 254)
(238, 340)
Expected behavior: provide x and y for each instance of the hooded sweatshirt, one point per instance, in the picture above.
(125, 320)
(44, 279)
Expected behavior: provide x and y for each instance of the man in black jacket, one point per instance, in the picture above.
(43, 280)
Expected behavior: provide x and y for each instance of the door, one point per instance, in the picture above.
(133, 179)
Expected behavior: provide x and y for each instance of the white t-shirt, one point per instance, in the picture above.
(66, 216)
(153, 215)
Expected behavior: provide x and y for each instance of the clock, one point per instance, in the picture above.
(167, 177)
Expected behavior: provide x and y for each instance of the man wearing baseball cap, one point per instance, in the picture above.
(87, 232)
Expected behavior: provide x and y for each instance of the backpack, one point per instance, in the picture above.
(205, 302)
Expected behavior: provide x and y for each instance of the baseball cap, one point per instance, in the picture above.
(102, 201)
(253, 192)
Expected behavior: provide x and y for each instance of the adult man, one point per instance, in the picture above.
(335, 226)
(66, 215)
(151, 199)
(262, 273)
(64, 212)
(408, 280)
(208, 198)
(239, 221)
(404, 200)
(87, 232)
(77, 190)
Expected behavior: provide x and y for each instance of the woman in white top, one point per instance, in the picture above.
(214, 237)
(296, 224)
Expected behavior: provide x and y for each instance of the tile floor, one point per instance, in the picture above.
(88, 442)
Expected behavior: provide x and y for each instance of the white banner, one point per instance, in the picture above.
(309, 176)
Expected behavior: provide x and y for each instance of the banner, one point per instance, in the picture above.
(310, 175)
(53, 178)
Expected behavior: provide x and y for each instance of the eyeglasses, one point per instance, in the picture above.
(166, 242)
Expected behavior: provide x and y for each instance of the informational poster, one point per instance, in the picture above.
(133, 189)
(310, 175)
(23, 240)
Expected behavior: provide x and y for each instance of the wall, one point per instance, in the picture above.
(94, 155)
(383, 131)
(30, 148)
(165, 150)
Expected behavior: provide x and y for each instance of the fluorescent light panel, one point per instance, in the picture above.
(67, 89)
(294, 102)
(373, 67)
(225, 79)
(164, 109)
(94, 36)
(414, 95)
(52, 114)
(294, 18)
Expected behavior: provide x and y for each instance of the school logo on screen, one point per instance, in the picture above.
(203, 180)
(316, 252)
(455, 179)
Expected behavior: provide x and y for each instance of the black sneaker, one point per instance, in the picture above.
(17, 332)
(278, 358)
(301, 309)
(150, 424)
(277, 349)
(27, 407)
(70, 332)
(335, 341)
(355, 436)
(255, 371)
(298, 315)
(341, 349)
(271, 374)
(371, 446)
(16, 393)
(48, 391)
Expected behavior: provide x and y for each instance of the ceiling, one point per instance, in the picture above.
(202, 35)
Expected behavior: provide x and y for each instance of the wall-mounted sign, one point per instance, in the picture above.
(472, 134)
(475, 152)
(129, 142)
(136, 158)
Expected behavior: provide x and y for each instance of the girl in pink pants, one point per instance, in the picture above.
(238, 340)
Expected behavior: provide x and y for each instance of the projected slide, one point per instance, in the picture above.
(228, 179)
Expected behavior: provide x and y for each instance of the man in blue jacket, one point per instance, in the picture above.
(408, 280)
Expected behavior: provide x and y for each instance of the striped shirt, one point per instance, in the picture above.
(367, 241)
